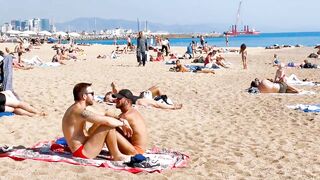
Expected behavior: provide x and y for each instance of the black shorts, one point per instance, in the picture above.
(19, 53)
(2, 102)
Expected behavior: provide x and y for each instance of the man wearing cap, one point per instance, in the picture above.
(136, 144)
(89, 145)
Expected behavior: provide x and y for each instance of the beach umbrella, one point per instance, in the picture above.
(29, 32)
(74, 34)
(60, 33)
(45, 33)
(13, 32)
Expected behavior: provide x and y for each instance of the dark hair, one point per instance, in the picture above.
(254, 84)
(1, 53)
(79, 89)
(105, 96)
(243, 47)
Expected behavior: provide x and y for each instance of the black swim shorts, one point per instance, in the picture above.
(2, 102)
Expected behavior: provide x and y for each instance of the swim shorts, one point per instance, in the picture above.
(78, 153)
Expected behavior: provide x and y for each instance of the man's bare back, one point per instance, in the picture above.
(73, 127)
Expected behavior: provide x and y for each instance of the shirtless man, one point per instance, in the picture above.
(267, 86)
(136, 144)
(89, 145)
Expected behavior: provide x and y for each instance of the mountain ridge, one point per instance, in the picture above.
(90, 24)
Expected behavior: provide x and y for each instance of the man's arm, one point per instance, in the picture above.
(100, 119)
(113, 86)
(108, 121)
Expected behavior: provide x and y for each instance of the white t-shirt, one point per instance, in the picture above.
(165, 42)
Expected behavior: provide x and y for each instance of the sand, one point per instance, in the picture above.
(228, 133)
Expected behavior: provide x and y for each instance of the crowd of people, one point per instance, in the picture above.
(124, 134)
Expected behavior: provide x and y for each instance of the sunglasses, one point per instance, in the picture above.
(92, 93)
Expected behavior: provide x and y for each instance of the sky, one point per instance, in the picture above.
(264, 15)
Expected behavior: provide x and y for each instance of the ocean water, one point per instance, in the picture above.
(261, 40)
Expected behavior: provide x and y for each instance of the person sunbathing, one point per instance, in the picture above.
(58, 57)
(280, 74)
(10, 103)
(146, 98)
(267, 86)
(221, 61)
(181, 68)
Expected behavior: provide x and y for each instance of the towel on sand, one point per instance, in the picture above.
(6, 114)
(157, 159)
(306, 107)
(293, 80)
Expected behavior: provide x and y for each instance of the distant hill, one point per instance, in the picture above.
(91, 24)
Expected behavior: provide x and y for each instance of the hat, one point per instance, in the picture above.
(124, 93)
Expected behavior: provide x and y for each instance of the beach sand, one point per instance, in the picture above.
(228, 133)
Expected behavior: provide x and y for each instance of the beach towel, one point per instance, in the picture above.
(293, 80)
(99, 98)
(50, 64)
(156, 159)
(306, 107)
(6, 114)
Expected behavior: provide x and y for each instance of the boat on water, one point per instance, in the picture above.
(245, 31)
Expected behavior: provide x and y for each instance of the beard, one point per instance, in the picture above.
(89, 103)
(118, 105)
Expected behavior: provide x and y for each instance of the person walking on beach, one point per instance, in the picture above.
(243, 53)
(165, 46)
(227, 40)
(103, 131)
(142, 48)
(202, 41)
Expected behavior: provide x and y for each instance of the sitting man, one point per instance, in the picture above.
(267, 86)
(146, 98)
(136, 144)
(10, 103)
(89, 145)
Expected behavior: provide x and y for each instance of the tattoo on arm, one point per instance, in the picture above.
(86, 114)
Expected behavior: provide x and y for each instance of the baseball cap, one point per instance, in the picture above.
(124, 93)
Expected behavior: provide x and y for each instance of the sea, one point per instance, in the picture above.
(308, 39)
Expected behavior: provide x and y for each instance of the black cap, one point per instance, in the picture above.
(124, 93)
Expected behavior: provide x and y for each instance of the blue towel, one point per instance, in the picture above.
(307, 108)
(6, 114)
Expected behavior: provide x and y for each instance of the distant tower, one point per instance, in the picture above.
(146, 26)
(138, 24)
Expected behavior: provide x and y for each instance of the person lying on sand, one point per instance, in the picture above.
(10, 103)
(181, 68)
(267, 86)
(146, 98)
(103, 130)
